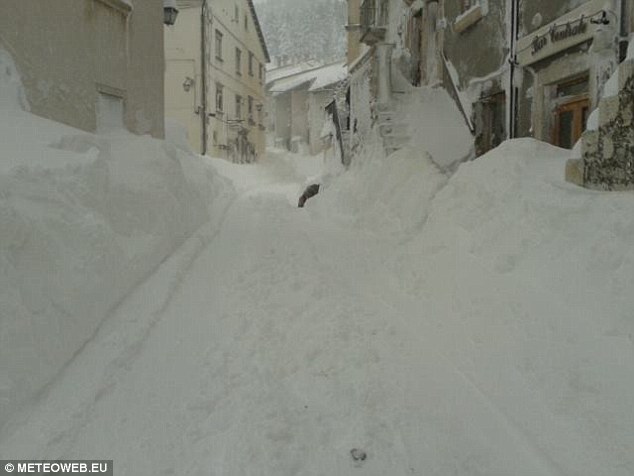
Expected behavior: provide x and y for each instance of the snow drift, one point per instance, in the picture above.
(519, 281)
(83, 219)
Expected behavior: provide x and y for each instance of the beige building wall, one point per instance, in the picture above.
(201, 92)
(234, 20)
(73, 55)
(183, 73)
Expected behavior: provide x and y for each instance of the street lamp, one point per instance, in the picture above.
(170, 12)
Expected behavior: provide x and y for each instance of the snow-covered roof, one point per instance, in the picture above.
(167, 4)
(275, 73)
(329, 75)
(317, 78)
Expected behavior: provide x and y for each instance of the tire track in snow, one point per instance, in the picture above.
(119, 355)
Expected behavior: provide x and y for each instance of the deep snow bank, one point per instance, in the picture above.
(83, 219)
(521, 282)
(436, 126)
(392, 194)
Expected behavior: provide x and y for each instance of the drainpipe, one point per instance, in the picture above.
(513, 90)
(624, 33)
(203, 75)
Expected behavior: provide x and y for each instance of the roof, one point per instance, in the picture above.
(317, 79)
(254, 15)
(259, 30)
(274, 74)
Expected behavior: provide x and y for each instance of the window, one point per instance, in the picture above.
(250, 64)
(238, 61)
(218, 45)
(219, 97)
(261, 72)
(471, 12)
(246, 22)
(250, 110)
(236, 14)
(238, 107)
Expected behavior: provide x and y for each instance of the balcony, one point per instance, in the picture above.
(373, 21)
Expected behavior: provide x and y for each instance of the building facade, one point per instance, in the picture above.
(215, 76)
(298, 98)
(514, 68)
(105, 72)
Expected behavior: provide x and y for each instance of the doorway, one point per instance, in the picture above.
(571, 112)
(570, 122)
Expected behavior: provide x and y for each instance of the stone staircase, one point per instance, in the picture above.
(392, 130)
(607, 154)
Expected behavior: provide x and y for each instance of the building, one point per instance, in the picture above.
(215, 75)
(514, 68)
(298, 97)
(567, 53)
(104, 72)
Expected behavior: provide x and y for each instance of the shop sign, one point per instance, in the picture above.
(571, 29)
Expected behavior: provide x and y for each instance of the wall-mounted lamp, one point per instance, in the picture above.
(170, 12)
(602, 20)
(188, 83)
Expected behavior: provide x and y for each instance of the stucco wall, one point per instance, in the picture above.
(235, 35)
(486, 40)
(299, 114)
(283, 118)
(317, 102)
(64, 68)
(183, 60)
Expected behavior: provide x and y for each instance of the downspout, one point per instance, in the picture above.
(513, 91)
(203, 75)
(624, 33)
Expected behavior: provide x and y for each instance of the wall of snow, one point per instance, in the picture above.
(519, 281)
(437, 126)
(391, 193)
(83, 219)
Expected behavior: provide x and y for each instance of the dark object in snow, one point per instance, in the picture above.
(358, 455)
(310, 191)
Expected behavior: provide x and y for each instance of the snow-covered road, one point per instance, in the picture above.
(276, 344)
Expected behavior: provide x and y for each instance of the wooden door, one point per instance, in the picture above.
(570, 122)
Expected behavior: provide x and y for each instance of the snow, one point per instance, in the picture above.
(470, 324)
(436, 126)
(329, 76)
(317, 78)
(84, 219)
(275, 73)
(610, 89)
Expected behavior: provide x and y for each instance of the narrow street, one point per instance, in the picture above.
(276, 345)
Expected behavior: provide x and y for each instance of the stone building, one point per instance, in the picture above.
(91, 64)
(514, 68)
(215, 76)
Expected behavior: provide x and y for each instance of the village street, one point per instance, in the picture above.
(282, 341)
